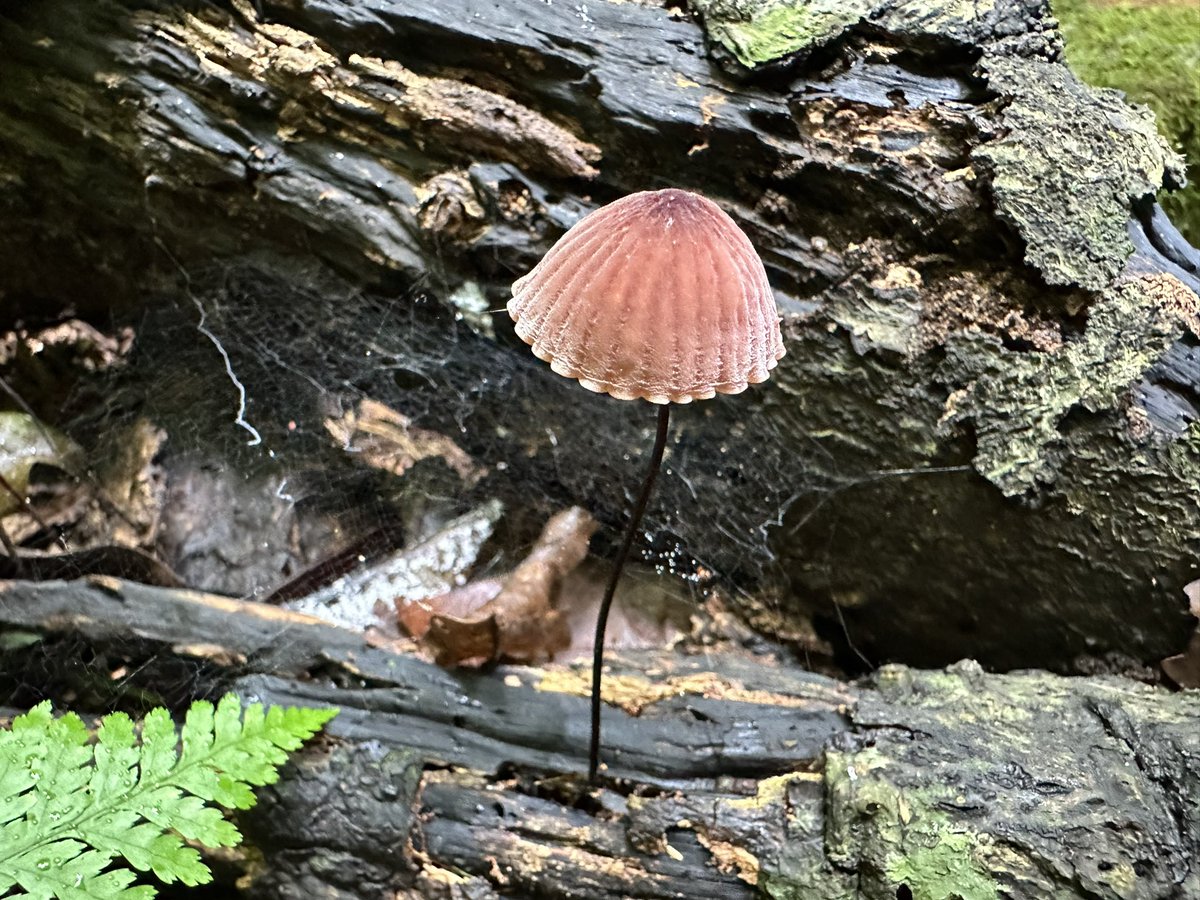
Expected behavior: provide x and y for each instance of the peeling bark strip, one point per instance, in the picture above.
(1092, 373)
(1067, 167)
(745, 776)
(355, 96)
(970, 340)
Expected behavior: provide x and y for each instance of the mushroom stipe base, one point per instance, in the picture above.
(635, 519)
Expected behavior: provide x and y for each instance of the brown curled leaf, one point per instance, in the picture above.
(24, 443)
(1184, 668)
(515, 620)
(460, 603)
(385, 439)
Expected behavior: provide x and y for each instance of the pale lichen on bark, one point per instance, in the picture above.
(1017, 400)
(1068, 165)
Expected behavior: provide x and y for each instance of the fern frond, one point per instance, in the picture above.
(70, 806)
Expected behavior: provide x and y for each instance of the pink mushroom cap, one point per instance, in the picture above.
(657, 296)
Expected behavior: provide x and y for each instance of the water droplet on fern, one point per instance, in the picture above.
(42, 865)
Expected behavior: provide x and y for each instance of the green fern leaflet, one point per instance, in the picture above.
(70, 806)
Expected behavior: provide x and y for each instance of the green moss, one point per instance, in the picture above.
(758, 31)
(895, 835)
(1152, 52)
(944, 871)
(966, 786)
(1069, 163)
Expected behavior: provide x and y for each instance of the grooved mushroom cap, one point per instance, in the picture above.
(657, 296)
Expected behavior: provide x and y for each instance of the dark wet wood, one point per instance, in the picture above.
(747, 771)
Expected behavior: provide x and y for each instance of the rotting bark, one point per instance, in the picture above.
(989, 322)
(734, 776)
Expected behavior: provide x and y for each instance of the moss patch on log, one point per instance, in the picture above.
(948, 822)
(762, 31)
(1017, 400)
(895, 835)
(1069, 164)
(759, 31)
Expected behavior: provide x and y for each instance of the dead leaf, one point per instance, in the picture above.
(648, 611)
(25, 442)
(387, 440)
(519, 622)
(1184, 668)
(72, 344)
(128, 490)
(461, 602)
(1192, 590)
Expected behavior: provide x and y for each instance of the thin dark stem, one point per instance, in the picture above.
(635, 519)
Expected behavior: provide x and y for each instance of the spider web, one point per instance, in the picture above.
(243, 369)
(301, 355)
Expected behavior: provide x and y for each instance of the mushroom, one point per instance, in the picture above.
(657, 296)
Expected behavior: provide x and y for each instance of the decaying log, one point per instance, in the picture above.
(728, 774)
(980, 442)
